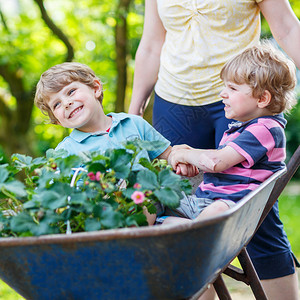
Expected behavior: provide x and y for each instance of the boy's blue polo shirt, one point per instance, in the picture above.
(124, 127)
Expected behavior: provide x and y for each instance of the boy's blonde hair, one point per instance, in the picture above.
(56, 78)
(264, 67)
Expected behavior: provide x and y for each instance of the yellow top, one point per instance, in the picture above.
(201, 36)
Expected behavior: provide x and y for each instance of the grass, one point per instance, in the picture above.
(289, 207)
(7, 293)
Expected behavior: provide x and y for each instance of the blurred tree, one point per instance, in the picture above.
(56, 31)
(16, 119)
(121, 38)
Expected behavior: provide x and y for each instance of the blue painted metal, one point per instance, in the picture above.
(158, 262)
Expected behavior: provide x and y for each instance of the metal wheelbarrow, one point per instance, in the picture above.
(155, 262)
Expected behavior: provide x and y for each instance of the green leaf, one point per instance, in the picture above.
(22, 222)
(92, 193)
(78, 198)
(66, 164)
(51, 153)
(147, 164)
(97, 166)
(118, 158)
(168, 197)
(168, 178)
(88, 207)
(136, 220)
(122, 171)
(4, 224)
(50, 199)
(43, 228)
(98, 208)
(92, 224)
(79, 202)
(131, 221)
(3, 174)
(129, 146)
(151, 208)
(132, 178)
(128, 192)
(110, 218)
(46, 177)
(62, 188)
(48, 224)
(95, 156)
(147, 179)
(39, 161)
(186, 186)
(16, 187)
(21, 160)
(31, 204)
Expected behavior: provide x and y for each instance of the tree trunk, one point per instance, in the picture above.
(121, 51)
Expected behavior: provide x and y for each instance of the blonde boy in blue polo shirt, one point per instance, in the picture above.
(71, 95)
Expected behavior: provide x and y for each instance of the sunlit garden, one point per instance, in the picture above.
(37, 34)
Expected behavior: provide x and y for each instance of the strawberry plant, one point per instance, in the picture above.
(85, 192)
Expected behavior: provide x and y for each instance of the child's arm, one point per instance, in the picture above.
(213, 161)
(184, 169)
(165, 154)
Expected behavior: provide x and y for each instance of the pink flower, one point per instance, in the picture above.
(98, 176)
(137, 186)
(92, 176)
(138, 197)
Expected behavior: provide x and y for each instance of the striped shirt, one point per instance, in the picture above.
(261, 142)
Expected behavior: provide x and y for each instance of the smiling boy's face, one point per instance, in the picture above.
(77, 106)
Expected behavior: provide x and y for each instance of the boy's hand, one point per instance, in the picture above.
(186, 170)
(177, 160)
(182, 146)
(213, 161)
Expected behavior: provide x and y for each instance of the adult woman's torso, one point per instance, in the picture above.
(200, 37)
